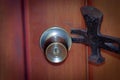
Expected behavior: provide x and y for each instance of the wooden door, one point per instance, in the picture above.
(23, 21)
(11, 41)
(110, 70)
(44, 14)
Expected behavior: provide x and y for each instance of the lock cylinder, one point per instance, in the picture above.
(56, 52)
(55, 43)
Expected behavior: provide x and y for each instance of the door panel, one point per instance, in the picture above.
(110, 70)
(11, 41)
(44, 14)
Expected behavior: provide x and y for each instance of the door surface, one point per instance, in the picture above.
(22, 22)
(110, 70)
(11, 41)
(44, 14)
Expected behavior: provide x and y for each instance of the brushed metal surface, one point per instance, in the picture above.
(56, 52)
(55, 40)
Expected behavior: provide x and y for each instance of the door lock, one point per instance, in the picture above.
(55, 43)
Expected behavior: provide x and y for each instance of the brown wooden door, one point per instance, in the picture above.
(21, 25)
(44, 14)
(20, 55)
(110, 70)
(11, 41)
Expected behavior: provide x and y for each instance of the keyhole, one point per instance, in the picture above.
(56, 52)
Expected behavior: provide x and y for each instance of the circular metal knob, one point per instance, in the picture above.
(55, 43)
(56, 52)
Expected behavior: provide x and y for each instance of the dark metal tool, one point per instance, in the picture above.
(92, 36)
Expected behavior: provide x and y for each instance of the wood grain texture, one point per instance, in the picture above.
(11, 41)
(110, 70)
(44, 14)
